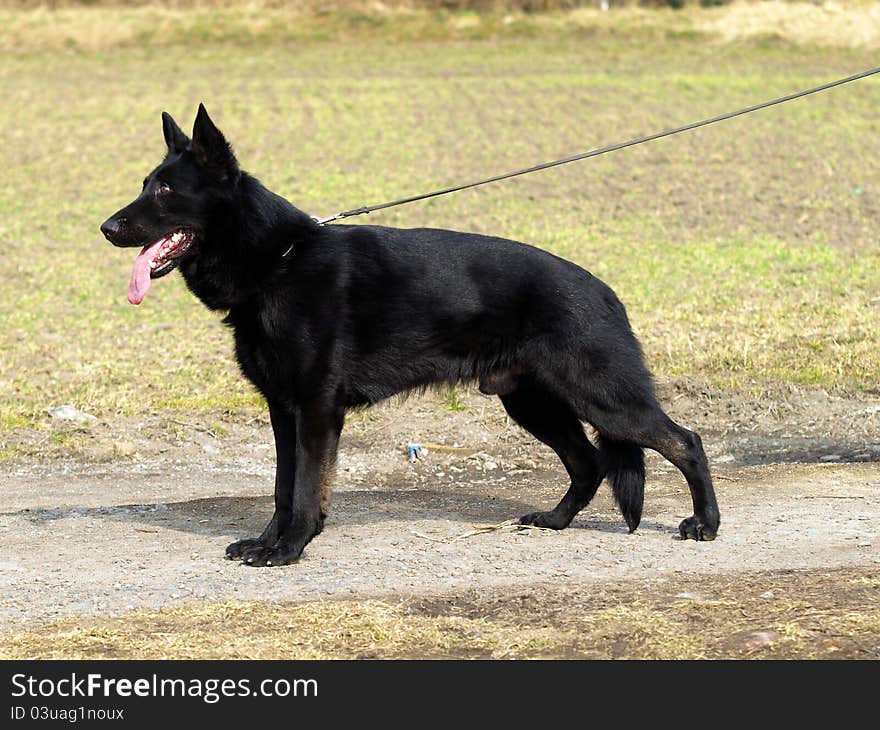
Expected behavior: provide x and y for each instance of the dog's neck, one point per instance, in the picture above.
(253, 229)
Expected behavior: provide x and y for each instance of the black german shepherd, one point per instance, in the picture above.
(328, 318)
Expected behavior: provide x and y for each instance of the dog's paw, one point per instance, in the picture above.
(237, 549)
(695, 528)
(551, 520)
(261, 556)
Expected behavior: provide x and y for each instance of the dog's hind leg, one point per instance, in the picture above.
(552, 422)
(685, 449)
(647, 425)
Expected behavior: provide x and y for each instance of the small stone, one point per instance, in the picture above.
(124, 448)
(757, 639)
(69, 413)
(688, 596)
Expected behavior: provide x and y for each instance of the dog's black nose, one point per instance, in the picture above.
(110, 228)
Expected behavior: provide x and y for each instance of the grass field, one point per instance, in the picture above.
(746, 252)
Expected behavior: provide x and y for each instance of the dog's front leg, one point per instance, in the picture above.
(284, 427)
(299, 515)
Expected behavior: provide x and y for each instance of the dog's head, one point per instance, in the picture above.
(185, 194)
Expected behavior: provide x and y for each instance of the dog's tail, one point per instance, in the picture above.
(626, 472)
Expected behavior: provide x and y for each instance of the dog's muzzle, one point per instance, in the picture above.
(110, 228)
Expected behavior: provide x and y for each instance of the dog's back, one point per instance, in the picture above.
(448, 306)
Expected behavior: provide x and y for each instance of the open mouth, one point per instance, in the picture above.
(156, 260)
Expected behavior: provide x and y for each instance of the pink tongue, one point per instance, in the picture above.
(140, 274)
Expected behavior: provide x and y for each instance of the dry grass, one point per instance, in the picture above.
(96, 26)
(849, 25)
(823, 614)
(334, 6)
(333, 630)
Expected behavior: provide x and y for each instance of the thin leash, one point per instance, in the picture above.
(596, 152)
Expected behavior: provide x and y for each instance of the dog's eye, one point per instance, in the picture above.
(163, 188)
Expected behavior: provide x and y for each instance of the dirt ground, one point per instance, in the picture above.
(135, 514)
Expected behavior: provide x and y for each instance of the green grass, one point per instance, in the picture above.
(452, 400)
(744, 252)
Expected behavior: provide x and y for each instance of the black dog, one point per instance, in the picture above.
(353, 314)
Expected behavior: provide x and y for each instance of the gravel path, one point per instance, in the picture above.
(98, 538)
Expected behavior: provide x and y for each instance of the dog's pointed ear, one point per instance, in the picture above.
(176, 140)
(210, 147)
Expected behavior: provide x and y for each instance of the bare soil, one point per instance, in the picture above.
(137, 512)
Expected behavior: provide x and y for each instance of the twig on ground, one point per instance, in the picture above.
(508, 525)
(194, 427)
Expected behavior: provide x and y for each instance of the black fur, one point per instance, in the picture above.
(355, 314)
(626, 472)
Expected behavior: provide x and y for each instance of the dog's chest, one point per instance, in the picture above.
(270, 349)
